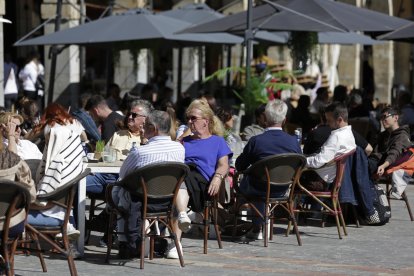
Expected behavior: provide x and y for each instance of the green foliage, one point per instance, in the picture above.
(100, 145)
(302, 46)
(256, 93)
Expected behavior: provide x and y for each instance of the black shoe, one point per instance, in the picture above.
(127, 252)
(123, 250)
(160, 246)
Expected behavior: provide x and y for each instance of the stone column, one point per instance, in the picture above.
(349, 64)
(67, 78)
(383, 58)
(2, 12)
(126, 74)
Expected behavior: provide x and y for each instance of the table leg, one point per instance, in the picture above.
(81, 215)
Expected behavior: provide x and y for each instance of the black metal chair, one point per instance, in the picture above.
(63, 197)
(280, 170)
(156, 182)
(14, 206)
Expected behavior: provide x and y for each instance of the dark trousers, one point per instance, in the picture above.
(31, 94)
(9, 100)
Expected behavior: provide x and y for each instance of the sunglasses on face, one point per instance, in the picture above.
(134, 115)
(385, 116)
(193, 118)
(17, 127)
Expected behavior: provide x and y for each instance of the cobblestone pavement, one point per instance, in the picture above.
(369, 250)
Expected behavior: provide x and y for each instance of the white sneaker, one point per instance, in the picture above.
(395, 195)
(195, 217)
(255, 235)
(172, 252)
(184, 222)
(73, 233)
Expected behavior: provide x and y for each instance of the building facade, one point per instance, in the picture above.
(378, 68)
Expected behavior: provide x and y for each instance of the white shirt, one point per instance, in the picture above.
(340, 141)
(28, 75)
(11, 85)
(26, 149)
(158, 149)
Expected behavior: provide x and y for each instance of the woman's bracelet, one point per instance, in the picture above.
(219, 175)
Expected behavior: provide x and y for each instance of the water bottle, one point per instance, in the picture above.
(298, 134)
(134, 147)
(85, 150)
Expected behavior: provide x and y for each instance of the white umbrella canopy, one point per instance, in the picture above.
(4, 20)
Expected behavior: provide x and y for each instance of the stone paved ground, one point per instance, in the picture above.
(379, 250)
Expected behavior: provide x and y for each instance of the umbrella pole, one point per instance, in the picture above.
(108, 58)
(54, 52)
(248, 40)
(228, 65)
(179, 73)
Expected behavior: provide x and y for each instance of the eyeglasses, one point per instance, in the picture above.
(193, 118)
(134, 115)
(383, 117)
(17, 127)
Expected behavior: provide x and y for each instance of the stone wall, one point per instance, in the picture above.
(383, 59)
(67, 77)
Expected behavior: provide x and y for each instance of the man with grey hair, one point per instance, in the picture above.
(121, 143)
(160, 148)
(273, 141)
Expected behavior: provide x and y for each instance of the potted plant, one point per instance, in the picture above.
(302, 47)
(100, 146)
(256, 94)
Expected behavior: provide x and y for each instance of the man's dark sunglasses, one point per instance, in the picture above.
(134, 115)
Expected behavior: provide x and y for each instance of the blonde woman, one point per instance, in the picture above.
(207, 155)
(15, 169)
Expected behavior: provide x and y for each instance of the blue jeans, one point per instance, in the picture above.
(35, 217)
(15, 230)
(96, 183)
(249, 188)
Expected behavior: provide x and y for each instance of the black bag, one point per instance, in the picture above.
(40, 84)
(381, 206)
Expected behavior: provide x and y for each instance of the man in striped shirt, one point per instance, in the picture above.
(160, 148)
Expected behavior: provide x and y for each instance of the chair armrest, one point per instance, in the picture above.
(109, 200)
(34, 206)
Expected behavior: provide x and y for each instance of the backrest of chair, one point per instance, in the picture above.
(360, 125)
(340, 169)
(62, 191)
(33, 164)
(282, 169)
(14, 197)
(157, 180)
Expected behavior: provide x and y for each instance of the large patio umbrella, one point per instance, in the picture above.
(403, 34)
(304, 15)
(196, 14)
(139, 26)
(323, 38)
(301, 15)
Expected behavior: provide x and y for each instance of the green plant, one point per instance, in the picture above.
(256, 94)
(100, 145)
(302, 47)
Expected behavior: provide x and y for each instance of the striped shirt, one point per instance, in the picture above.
(65, 161)
(62, 162)
(158, 149)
